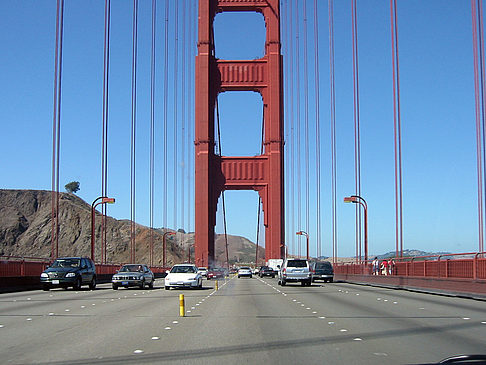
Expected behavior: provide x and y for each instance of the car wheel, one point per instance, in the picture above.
(151, 285)
(238, 276)
(115, 287)
(330, 280)
(92, 285)
(309, 282)
(142, 284)
(250, 276)
(77, 284)
(273, 276)
(283, 283)
(167, 287)
(45, 288)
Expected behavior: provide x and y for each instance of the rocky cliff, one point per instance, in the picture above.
(25, 230)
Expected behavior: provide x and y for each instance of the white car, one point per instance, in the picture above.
(183, 276)
(244, 271)
(203, 271)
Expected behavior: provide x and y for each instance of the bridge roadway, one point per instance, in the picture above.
(247, 321)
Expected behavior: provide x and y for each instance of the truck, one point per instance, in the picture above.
(275, 264)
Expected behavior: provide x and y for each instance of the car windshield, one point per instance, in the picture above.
(66, 263)
(323, 265)
(244, 268)
(297, 263)
(131, 268)
(183, 270)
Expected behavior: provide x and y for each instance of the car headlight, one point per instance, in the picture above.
(70, 274)
(44, 275)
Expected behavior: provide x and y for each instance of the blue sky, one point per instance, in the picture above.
(437, 99)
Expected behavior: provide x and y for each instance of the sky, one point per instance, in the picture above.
(437, 113)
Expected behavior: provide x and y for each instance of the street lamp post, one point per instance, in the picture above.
(104, 200)
(164, 246)
(356, 199)
(302, 233)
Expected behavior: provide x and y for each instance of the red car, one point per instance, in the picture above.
(215, 273)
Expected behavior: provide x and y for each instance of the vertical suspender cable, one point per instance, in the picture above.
(483, 85)
(133, 129)
(306, 121)
(333, 131)
(104, 138)
(166, 98)
(357, 143)
(259, 197)
(56, 133)
(292, 124)
(183, 109)
(176, 61)
(397, 130)
(298, 155)
(318, 131)
(479, 145)
(222, 193)
(283, 31)
(152, 130)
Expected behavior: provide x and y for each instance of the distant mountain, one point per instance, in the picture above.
(25, 230)
(408, 253)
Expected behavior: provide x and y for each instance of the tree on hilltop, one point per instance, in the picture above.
(72, 187)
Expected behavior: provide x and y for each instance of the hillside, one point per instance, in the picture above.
(25, 230)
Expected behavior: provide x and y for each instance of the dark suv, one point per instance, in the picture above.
(322, 271)
(69, 271)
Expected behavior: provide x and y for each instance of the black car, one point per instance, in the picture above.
(266, 271)
(69, 272)
(322, 271)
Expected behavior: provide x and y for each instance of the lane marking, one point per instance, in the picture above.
(466, 318)
(343, 330)
(1, 326)
(51, 314)
(29, 319)
(357, 339)
(167, 328)
(380, 354)
(138, 352)
(175, 322)
(83, 306)
(155, 338)
(66, 310)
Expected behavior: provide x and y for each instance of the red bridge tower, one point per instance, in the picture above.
(263, 173)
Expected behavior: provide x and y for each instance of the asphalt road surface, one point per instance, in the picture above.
(247, 321)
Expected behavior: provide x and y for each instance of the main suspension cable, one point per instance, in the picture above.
(152, 131)
(166, 98)
(333, 131)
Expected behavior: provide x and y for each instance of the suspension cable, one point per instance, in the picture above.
(292, 124)
(483, 85)
(479, 145)
(357, 134)
(397, 130)
(297, 73)
(133, 129)
(183, 112)
(318, 132)
(56, 126)
(259, 197)
(176, 62)
(166, 98)
(306, 121)
(152, 134)
(333, 131)
(104, 138)
(220, 153)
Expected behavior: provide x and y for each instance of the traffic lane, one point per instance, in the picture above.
(251, 321)
(101, 322)
(389, 327)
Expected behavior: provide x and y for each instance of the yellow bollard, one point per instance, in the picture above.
(216, 285)
(182, 309)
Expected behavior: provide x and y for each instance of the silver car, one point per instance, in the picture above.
(133, 275)
(244, 271)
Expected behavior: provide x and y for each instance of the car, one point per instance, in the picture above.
(203, 271)
(68, 272)
(266, 271)
(244, 271)
(322, 271)
(183, 276)
(295, 270)
(133, 275)
(216, 273)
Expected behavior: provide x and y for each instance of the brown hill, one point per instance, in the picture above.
(25, 230)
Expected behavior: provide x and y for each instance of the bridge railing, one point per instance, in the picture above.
(21, 266)
(470, 265)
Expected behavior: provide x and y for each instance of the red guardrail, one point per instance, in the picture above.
(17, 266)
(435, 266)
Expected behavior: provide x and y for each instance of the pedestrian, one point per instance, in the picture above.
(391, 266)
(375, 264)
(384, 267)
